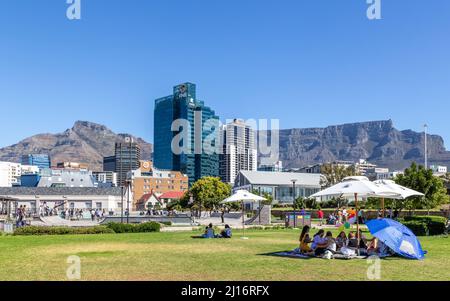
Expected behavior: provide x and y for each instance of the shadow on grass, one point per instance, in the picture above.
(286, 254)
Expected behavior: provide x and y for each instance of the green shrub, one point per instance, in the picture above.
(417, 227)
(148, 227)
(45, 230)
(134, 228)
(435, 224)
(169, 223)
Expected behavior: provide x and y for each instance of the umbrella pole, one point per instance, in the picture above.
(243, 219)
(357, 224)
(382, 206)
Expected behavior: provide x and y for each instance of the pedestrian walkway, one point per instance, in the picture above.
(56, 221)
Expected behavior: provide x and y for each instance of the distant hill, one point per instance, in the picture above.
(377, 141)
(85, 142)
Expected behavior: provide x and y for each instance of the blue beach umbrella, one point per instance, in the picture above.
(397, 237)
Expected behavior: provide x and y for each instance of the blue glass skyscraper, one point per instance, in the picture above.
(203, 124)
(40, 160)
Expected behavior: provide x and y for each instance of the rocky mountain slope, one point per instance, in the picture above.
(378, 141)
(85, 142)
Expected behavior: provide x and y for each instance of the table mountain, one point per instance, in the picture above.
(85, 142)
(377, 141)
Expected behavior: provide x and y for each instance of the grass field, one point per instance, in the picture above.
(175, 256)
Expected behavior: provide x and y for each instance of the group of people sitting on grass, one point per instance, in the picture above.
(325, 245)
(210, 233)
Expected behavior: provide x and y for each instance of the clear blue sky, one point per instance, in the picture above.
(307, 62)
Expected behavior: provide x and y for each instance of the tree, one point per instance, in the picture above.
(299, 203)
(335, 173)
(422, 180)
(208, 192)
(267, 196)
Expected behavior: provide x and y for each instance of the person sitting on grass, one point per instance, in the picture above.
(341, 240)
(352, 241)
(320, 243)
(305, 240)
(226, 233)
(364, 242)
(209, 232)
(331, 242)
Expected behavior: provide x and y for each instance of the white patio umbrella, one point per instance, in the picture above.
(243, 196)
(355, 187)
(399, 192)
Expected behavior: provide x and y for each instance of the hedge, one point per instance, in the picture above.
(110, 228)
(436, 224)
(417, 227)
(45, 230)
(134, 228)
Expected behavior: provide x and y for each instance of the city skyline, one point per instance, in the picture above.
(309, 64)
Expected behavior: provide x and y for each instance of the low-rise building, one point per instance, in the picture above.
(105, 178)
(148, 179)
(35, 198)
(439, 170)
(280, 185)
(10, 174)
(275, 167)
(171, 196)
(148, 201)
(66, 178)
(378, 174)
(72, 165)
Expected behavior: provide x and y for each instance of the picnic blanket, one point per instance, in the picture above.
(292, 254)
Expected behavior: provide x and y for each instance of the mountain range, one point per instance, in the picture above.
(377, 141)
(85, 142)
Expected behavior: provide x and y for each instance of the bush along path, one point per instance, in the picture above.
(110, 228)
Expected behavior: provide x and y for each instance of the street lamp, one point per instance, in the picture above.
(293, 195)
(426, 146)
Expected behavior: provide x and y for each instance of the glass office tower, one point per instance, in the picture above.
(42, 161)
(196, 162)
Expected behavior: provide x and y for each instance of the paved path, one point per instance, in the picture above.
(55, 221)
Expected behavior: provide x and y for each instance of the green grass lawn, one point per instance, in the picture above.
(175, 256)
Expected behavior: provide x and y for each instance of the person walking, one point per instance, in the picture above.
(320, 216)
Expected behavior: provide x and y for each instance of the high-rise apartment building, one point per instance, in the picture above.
(127, 157)
(239, 150)
(183, 115)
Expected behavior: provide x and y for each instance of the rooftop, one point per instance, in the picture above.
(81, 191)
(281, 178)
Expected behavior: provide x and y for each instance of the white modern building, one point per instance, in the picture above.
(438, 169)
(105, 177)
(66, 178)
(35, 198)
(280, 185)
(275, 167)
(239, 150)
(10, 174)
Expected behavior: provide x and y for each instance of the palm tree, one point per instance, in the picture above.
(335, 173)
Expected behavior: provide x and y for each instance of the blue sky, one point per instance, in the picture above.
(306, 62)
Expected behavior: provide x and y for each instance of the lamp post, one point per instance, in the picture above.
(121, 207)
(426, 145)
(293, 196)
